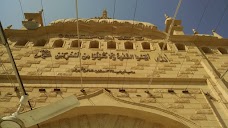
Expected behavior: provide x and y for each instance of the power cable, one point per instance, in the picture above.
(79, 49)
(113, 17)
(164, 45)
(48, 39)
(135, 9)
(7, 74)
(205, 8)
(223, 15)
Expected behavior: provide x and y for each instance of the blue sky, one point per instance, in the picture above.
(147, 10)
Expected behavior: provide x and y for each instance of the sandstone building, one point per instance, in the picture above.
(128, 74)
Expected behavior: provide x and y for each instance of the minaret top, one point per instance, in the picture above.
(104, 14)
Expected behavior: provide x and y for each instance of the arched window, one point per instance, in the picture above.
(128, 45)
(223, 50)
(76, 44)
(41, 42)
(145, 45)
(180, 47)
(94, 44)
(58, 44)
(111, 45)
(206, 50)
(21, 42)
(161, 45)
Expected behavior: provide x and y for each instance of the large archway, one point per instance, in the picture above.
(110, 117)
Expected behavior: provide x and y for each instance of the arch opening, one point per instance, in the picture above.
(58, 44)
(128, 45)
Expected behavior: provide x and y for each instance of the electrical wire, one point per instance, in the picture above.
(223, 15)
(135, 9)
(201, 18)
(48, 39)
(113, 17)
(79, 50)
(7, 74)
(164, 45)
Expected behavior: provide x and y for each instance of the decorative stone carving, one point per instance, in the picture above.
(198, 117)
(181, 100)
(204, 111)
(175, 106)
(147, 100)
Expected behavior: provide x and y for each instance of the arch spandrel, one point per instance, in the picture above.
(100, 106)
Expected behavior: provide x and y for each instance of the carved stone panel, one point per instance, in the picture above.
(181, 100)
(204, 111)
(147, 100)
(198, 117)
(175, 106)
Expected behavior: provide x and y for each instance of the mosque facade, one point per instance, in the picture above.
(125, 74)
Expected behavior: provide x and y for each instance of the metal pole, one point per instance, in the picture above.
(4, 41)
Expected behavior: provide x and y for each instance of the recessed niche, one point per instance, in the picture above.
(128, 45)
(111, 45)
(161, 46)
(180, 47)
(58, 44)
(41, 42)
(94, 44)
(223, 50)
(206, 50)
(145, 45)
(76, 44)
(21, 42)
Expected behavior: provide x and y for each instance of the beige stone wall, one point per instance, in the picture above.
(179, 70)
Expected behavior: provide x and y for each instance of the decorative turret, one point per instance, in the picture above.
(104, 14)
(177, 28)
(33, 20)
(216, 34)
